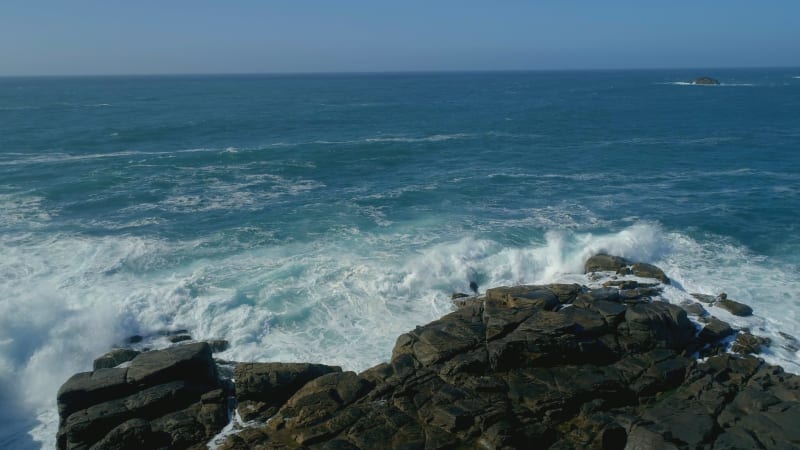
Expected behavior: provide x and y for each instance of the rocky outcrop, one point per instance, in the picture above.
(536, 366)
(622, 266)
(525, 368)
(705, 81)
(170, 398)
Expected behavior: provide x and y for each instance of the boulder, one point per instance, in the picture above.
(524, 296)
(90, 388)
(186, 362)
(747, 343)
(734, 307)
(705, 298)
(603, 262)
(114, 358)
(125, 407)
(262, 388)
(656, 325)
(715, 330)
(693, 308)
(180, 338)
(645, 270)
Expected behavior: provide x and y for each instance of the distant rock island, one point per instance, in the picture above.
(553, 366)
(706, 81)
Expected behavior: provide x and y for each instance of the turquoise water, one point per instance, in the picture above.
(317, 217)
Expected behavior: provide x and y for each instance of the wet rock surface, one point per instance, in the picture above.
(537, 366)
(161, 400)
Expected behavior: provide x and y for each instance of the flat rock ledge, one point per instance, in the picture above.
(171, 398)
(557, 366)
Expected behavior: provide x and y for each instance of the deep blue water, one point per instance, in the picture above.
(316, 217)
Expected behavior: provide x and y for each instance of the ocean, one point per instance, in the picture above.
(318, 217)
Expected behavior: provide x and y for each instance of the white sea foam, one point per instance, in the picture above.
(341, 300)
(689, 83)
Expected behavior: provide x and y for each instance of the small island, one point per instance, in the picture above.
(706, 81)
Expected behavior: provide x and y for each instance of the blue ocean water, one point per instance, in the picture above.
(317, 217)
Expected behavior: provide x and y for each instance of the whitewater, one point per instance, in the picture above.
(316, 218)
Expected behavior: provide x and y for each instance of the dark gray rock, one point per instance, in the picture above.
(134, 433)
(705, 81)
(656, 325)
(695, 309)
(114, 358)
(524, 296)
(645, 270)
(610, 294)
(135, 339)
(499, 372)
(180, 338)
(218, 345)
(709, 299)
(747, 343)
(734, 307)
(263, 387)
(715, 330)
(603, 262)
(124, 407)
(89, 388)
(186, 362)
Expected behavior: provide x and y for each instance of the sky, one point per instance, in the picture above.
(97, 37)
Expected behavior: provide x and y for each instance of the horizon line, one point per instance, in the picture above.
(383, 72)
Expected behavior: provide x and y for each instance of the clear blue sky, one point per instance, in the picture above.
(52, 37)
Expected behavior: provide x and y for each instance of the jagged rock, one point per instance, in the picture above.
(705, 81)
(734, 307)
(173, 332)
(129, 434)
(262, 387)
(499, 372)
(135, 339)
(458, 295)
(638, 293)
(746, 343)
(597, 374)
(607, 294)
(114, 358)
(524, 296)
(645, 270)
(656, 325)
(125, 407)
(695, 309)
(218, 345)
(603, 262)
(566, 293)
(705, 298)
(180, 338)
(188, 362)
(791, 343)
(715, 330)
(89, 388)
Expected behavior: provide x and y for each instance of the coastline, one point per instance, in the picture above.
(562, 365)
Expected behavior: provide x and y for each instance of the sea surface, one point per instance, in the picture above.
(317, 217)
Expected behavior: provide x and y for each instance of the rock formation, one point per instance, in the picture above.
(170, 398)
(705, 81)
(554, 366)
